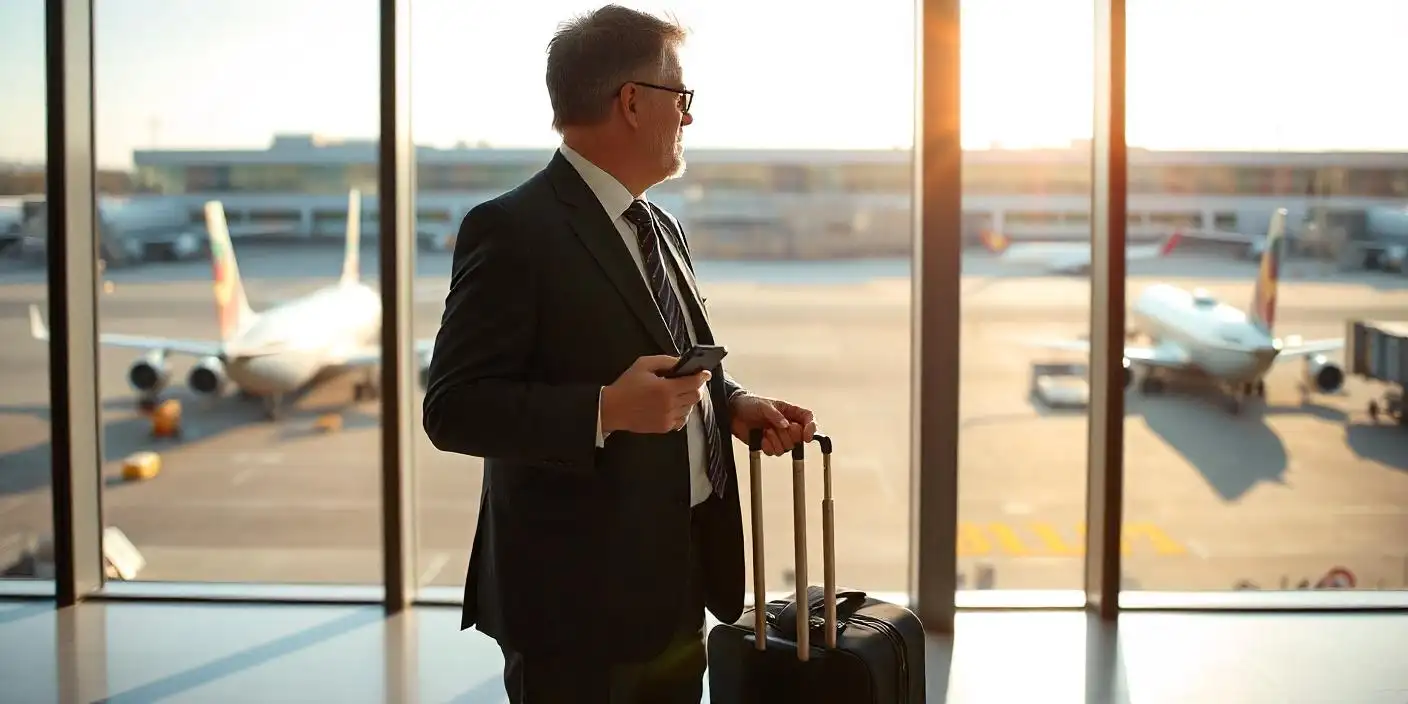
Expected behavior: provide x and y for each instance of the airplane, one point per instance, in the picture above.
(268, 354)
(1191, 332)
(1335, 236)
(1065, 257)
(1252, 246)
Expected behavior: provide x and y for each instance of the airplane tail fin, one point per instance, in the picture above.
(351, 260)
(995, 242)
(37, 329)
(1263, 309)
(231, 306)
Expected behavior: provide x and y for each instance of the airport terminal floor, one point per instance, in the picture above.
(209, 653)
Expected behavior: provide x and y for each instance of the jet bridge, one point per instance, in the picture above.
(1378, 350)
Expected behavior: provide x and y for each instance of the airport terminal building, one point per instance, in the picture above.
(789, 203)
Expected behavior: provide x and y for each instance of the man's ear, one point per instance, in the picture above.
(628, 101)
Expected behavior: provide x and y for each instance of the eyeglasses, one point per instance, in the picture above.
(686, 96)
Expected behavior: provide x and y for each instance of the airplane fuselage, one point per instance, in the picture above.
(1055, 256)
(1066, 257)
(270, 354)
(287, 346)
(1218, 339)
(1035, 252)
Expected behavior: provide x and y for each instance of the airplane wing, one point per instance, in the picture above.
(1294, 347)
(1223, 236)
(369, 355)
(197, 348)
(1166, 356)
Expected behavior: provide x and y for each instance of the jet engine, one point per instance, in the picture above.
(1323, 375)
(1393, 258)
(207, 377)
(149, 374)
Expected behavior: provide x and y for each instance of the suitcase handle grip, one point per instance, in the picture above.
(799, 532)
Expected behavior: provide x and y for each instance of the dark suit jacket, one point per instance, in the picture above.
(577, 549)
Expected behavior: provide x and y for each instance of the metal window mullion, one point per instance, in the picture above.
(72, 248)
(1109, 208)
(395, 197)
(935, 365)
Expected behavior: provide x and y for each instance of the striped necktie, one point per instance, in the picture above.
(648, 233)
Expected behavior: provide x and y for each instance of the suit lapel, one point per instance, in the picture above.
(684, 273)
(603, 241)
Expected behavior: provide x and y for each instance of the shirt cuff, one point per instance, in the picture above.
(736, 393)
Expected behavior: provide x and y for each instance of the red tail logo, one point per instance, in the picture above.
(1171, 243)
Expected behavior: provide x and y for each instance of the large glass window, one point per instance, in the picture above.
(796, 204)
(26, 526)
(1247, 438)
(240, 430)
(1025, 296)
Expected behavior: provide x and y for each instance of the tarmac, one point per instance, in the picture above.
(1275, 497)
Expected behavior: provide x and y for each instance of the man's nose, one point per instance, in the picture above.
(686, 119)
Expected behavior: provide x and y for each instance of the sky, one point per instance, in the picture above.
(1203, 74)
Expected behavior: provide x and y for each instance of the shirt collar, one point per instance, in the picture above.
(614, 197)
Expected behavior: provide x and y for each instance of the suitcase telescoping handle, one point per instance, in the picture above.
(799, 537)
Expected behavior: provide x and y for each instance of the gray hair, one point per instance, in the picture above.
(591, 55)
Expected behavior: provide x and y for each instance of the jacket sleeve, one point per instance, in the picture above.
(481, 398)
(732, 388)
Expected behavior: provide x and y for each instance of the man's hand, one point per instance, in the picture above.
(784, 425)
(642, 401)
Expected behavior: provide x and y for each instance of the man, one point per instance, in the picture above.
(609, 516)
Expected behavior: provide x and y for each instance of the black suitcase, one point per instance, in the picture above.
(852, 649)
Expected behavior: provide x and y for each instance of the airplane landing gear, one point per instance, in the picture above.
(1391, 406)
(273, 407)
(146, 403)
(1252, 390)
(1239, 394)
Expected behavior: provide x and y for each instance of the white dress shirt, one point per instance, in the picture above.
(615, 199)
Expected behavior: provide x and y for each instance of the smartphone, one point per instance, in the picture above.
(696, 359)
